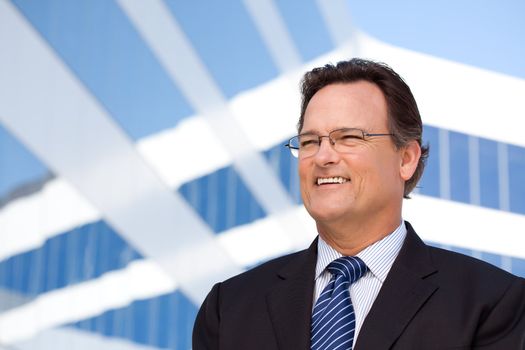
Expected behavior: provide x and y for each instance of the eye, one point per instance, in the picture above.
(350, 137)
(308, 142)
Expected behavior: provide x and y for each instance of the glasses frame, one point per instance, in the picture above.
(295, 150)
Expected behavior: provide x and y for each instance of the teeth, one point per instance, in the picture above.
(331, 180)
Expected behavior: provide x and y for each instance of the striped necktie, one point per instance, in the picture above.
(333, 318)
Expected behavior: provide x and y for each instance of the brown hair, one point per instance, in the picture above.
(404, 120)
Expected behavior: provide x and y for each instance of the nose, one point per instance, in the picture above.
(326, 154)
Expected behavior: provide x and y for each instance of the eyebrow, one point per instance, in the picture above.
(308, 132)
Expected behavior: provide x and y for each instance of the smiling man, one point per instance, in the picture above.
(367, 281)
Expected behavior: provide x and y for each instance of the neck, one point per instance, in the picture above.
(351, 238)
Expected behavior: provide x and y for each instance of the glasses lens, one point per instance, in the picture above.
(293, 146)
(308, 144)
(294, 142)
(347, 137)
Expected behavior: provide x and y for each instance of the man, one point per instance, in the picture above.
(367, 281)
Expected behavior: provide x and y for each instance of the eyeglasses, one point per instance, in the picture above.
(342, 140)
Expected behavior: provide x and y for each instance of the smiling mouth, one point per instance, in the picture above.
(331, 180)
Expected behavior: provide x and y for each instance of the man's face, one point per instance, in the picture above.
(374, 186)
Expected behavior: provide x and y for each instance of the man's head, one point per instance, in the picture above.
(404, 120)
(363, 172)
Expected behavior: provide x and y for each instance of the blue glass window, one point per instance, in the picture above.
(103, 49)
(226, 39)
(489, 177)
(306, 26)
(222, 199)
(285, 168)
(459, 167)
(517, 178)
(429, 183)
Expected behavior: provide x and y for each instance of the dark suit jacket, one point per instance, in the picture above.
(431, 299)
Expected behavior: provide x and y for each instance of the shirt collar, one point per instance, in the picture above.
(378, 257)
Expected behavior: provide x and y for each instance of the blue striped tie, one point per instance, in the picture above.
(333, 318)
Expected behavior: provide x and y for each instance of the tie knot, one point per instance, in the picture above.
(351, 267)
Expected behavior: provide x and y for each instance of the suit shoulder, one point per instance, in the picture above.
(263, 272)
(470, 269)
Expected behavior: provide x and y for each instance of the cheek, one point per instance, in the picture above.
(375, 170)
(303, 171)
(389, 173)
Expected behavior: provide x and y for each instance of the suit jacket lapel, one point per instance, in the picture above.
(290, 301)
(404, 292)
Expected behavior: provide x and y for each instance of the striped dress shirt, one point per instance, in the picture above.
(379, 258)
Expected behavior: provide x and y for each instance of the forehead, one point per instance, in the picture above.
(358, 104)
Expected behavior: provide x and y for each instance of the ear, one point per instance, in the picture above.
(410, 155)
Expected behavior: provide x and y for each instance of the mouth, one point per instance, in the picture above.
(331, 180)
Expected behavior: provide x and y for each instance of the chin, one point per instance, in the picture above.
(327, 214)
